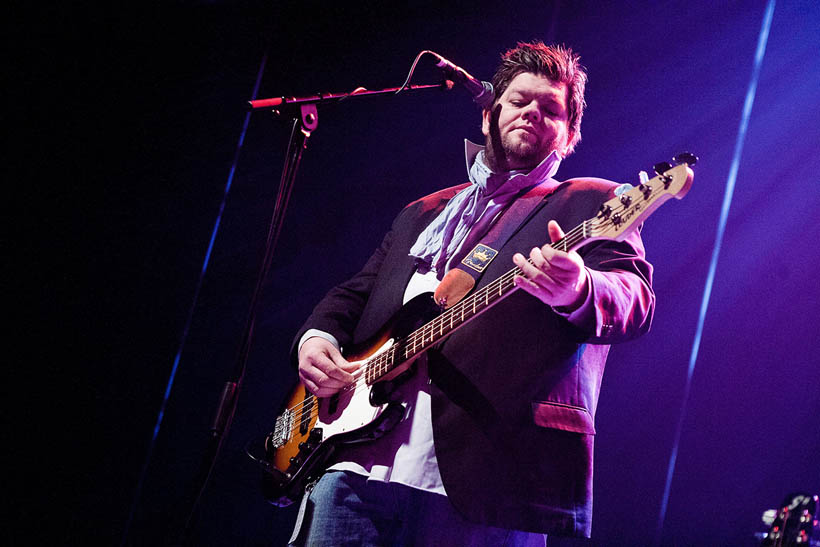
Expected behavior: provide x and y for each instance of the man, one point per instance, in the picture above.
(495, 445)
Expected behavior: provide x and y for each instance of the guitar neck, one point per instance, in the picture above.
(614, 220)
(470, 307)
(420, 340)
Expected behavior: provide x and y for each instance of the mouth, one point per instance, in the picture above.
(528, 130)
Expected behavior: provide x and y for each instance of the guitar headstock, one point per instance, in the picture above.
(620, 214)
(794, 523)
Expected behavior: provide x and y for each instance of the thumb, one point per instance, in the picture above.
(555, 231)
(343, 363)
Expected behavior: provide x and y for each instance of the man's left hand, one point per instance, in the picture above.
(557, 278)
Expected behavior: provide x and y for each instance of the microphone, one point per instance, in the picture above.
(481, 91)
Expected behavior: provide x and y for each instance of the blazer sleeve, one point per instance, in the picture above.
(622, 301)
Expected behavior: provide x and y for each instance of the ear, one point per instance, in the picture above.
(565, 151)
(485, 122)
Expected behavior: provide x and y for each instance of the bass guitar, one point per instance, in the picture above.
(311, 429)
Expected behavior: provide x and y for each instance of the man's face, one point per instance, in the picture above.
(532, 122)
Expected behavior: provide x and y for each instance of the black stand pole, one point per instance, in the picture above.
(300, 133)
(302, 128)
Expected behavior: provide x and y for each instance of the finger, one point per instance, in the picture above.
(560, 268)
(554, 231)
(343, 363)
(538, 258)
(320, 378)
(310, 385)
(558, 262)
(529, 270)
(317, 382)
(539, 291)
(320, 391)
(332, 370)
(546, 276)
(550, 266)
(552, 255)
(336, 357)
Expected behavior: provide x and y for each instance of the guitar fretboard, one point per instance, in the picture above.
(451, 319)
(614, 218)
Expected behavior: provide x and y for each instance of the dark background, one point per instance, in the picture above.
(139, 110)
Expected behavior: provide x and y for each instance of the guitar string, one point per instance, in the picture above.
(379, 361)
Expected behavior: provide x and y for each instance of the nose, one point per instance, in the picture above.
(532, 113)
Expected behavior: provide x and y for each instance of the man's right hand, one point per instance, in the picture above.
(322, 368)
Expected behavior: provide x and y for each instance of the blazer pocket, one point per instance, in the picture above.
(562, 416)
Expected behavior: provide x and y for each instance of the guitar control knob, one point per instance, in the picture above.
(303, 445)
(295, 460)
(315, 434)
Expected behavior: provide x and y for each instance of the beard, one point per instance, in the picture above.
(524, 152)
(511, 151)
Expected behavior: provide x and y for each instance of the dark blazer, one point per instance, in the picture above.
(515, 390)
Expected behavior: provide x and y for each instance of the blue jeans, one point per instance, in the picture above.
(345, 509)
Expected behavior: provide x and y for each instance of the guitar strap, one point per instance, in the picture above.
(462, 277)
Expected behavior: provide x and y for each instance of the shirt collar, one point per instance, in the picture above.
(482, 175)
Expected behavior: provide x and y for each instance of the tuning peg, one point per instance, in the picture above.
(661, 168)
(687, 158)
(643, 178)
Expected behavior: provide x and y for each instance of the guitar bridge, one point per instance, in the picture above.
(282, 431)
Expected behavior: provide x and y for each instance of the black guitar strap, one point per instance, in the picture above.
(476, 261)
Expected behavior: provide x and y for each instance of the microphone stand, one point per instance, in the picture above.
(303, 126)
